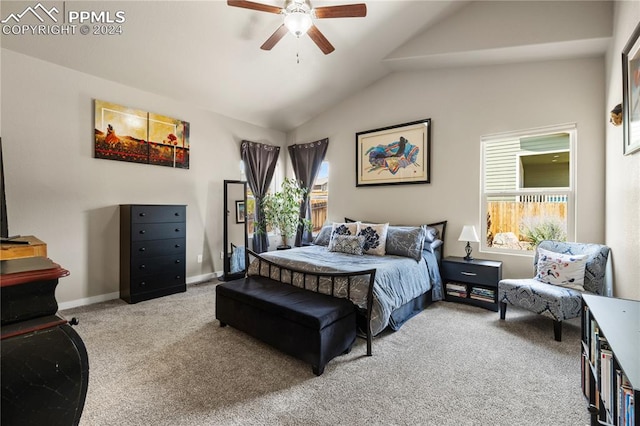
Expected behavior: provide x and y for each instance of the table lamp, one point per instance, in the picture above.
(468, 234)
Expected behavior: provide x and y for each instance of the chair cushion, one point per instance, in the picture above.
(566, 270)
(557, 302)
(594, 277)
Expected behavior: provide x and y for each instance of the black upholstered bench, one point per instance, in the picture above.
(310, 326)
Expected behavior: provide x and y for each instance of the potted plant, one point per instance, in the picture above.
(282, 210)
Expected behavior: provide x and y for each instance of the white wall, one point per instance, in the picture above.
(464, 104)
(623, 172)
(58, 192)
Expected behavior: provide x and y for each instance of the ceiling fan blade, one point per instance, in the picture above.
(254, 6)
(319, 39)
(345, 11)
(275, 37)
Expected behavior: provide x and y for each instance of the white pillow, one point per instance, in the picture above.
(375, 238)
(565, 270)
(346, 228)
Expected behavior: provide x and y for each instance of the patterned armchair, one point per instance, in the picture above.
(563, 301)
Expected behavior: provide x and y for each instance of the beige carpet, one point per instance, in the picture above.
(167, 362)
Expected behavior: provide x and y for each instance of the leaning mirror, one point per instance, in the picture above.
(235, 229)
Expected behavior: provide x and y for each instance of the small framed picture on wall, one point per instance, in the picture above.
(240, 211)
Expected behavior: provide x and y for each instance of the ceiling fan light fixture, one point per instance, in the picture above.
(298, 22)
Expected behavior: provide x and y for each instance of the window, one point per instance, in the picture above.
(528, 189)
(251, 201)
(319, 197)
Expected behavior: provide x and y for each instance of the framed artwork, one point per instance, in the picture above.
(631, 93)
(240, 211)
(394, 155)
(127, 134)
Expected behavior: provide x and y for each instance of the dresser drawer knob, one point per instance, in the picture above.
(178, 261)
(177, 229)
(177, 246)
(143, 283)
(143, 214)
(142, 231)
(470, 274)
(178, 277)
(177, 213)
(142, 249)
(143, 266)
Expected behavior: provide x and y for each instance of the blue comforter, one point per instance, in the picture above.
(398, 279)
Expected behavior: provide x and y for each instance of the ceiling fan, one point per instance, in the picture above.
(298, 19)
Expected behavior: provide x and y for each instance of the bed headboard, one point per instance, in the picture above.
(442, 229)
(440, 226)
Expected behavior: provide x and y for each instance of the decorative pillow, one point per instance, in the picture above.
(350, 228)
(405, 241)
(431, 234)
(565, 270)
(432, 245)
(323, 237)
(375, 237)
(349, 244)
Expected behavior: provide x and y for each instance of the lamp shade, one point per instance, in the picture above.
(469, 234)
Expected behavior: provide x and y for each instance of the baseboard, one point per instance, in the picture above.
(88, 301)
(197, 279)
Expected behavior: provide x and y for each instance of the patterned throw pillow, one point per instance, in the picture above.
(350, 228)
(405, 241)
(375, 237)
(565, 270)
(343, 229)
(349, 244)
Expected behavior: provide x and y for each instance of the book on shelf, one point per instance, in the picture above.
(606, 376)
(457, 290)
(626, 404)
(483, 294)
(585, 371)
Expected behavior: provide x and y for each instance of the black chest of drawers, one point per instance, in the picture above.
(152, 251)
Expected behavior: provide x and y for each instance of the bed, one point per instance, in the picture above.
(407, 278)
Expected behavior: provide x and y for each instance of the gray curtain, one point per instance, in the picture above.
(259, 164)
(306, 160)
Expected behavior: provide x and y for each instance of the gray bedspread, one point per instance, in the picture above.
(398, 279)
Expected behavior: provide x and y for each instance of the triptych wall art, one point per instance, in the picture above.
(127, 134)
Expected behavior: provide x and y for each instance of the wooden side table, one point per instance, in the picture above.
(33, 248)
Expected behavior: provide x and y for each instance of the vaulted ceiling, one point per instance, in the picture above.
(208, 54)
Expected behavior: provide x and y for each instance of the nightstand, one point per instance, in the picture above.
(471, 281)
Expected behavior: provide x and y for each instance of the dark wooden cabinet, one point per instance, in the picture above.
(472, 281)
(44, 368)
(152, 251)
(611, 359)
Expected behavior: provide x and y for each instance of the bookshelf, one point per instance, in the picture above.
(611, 359)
